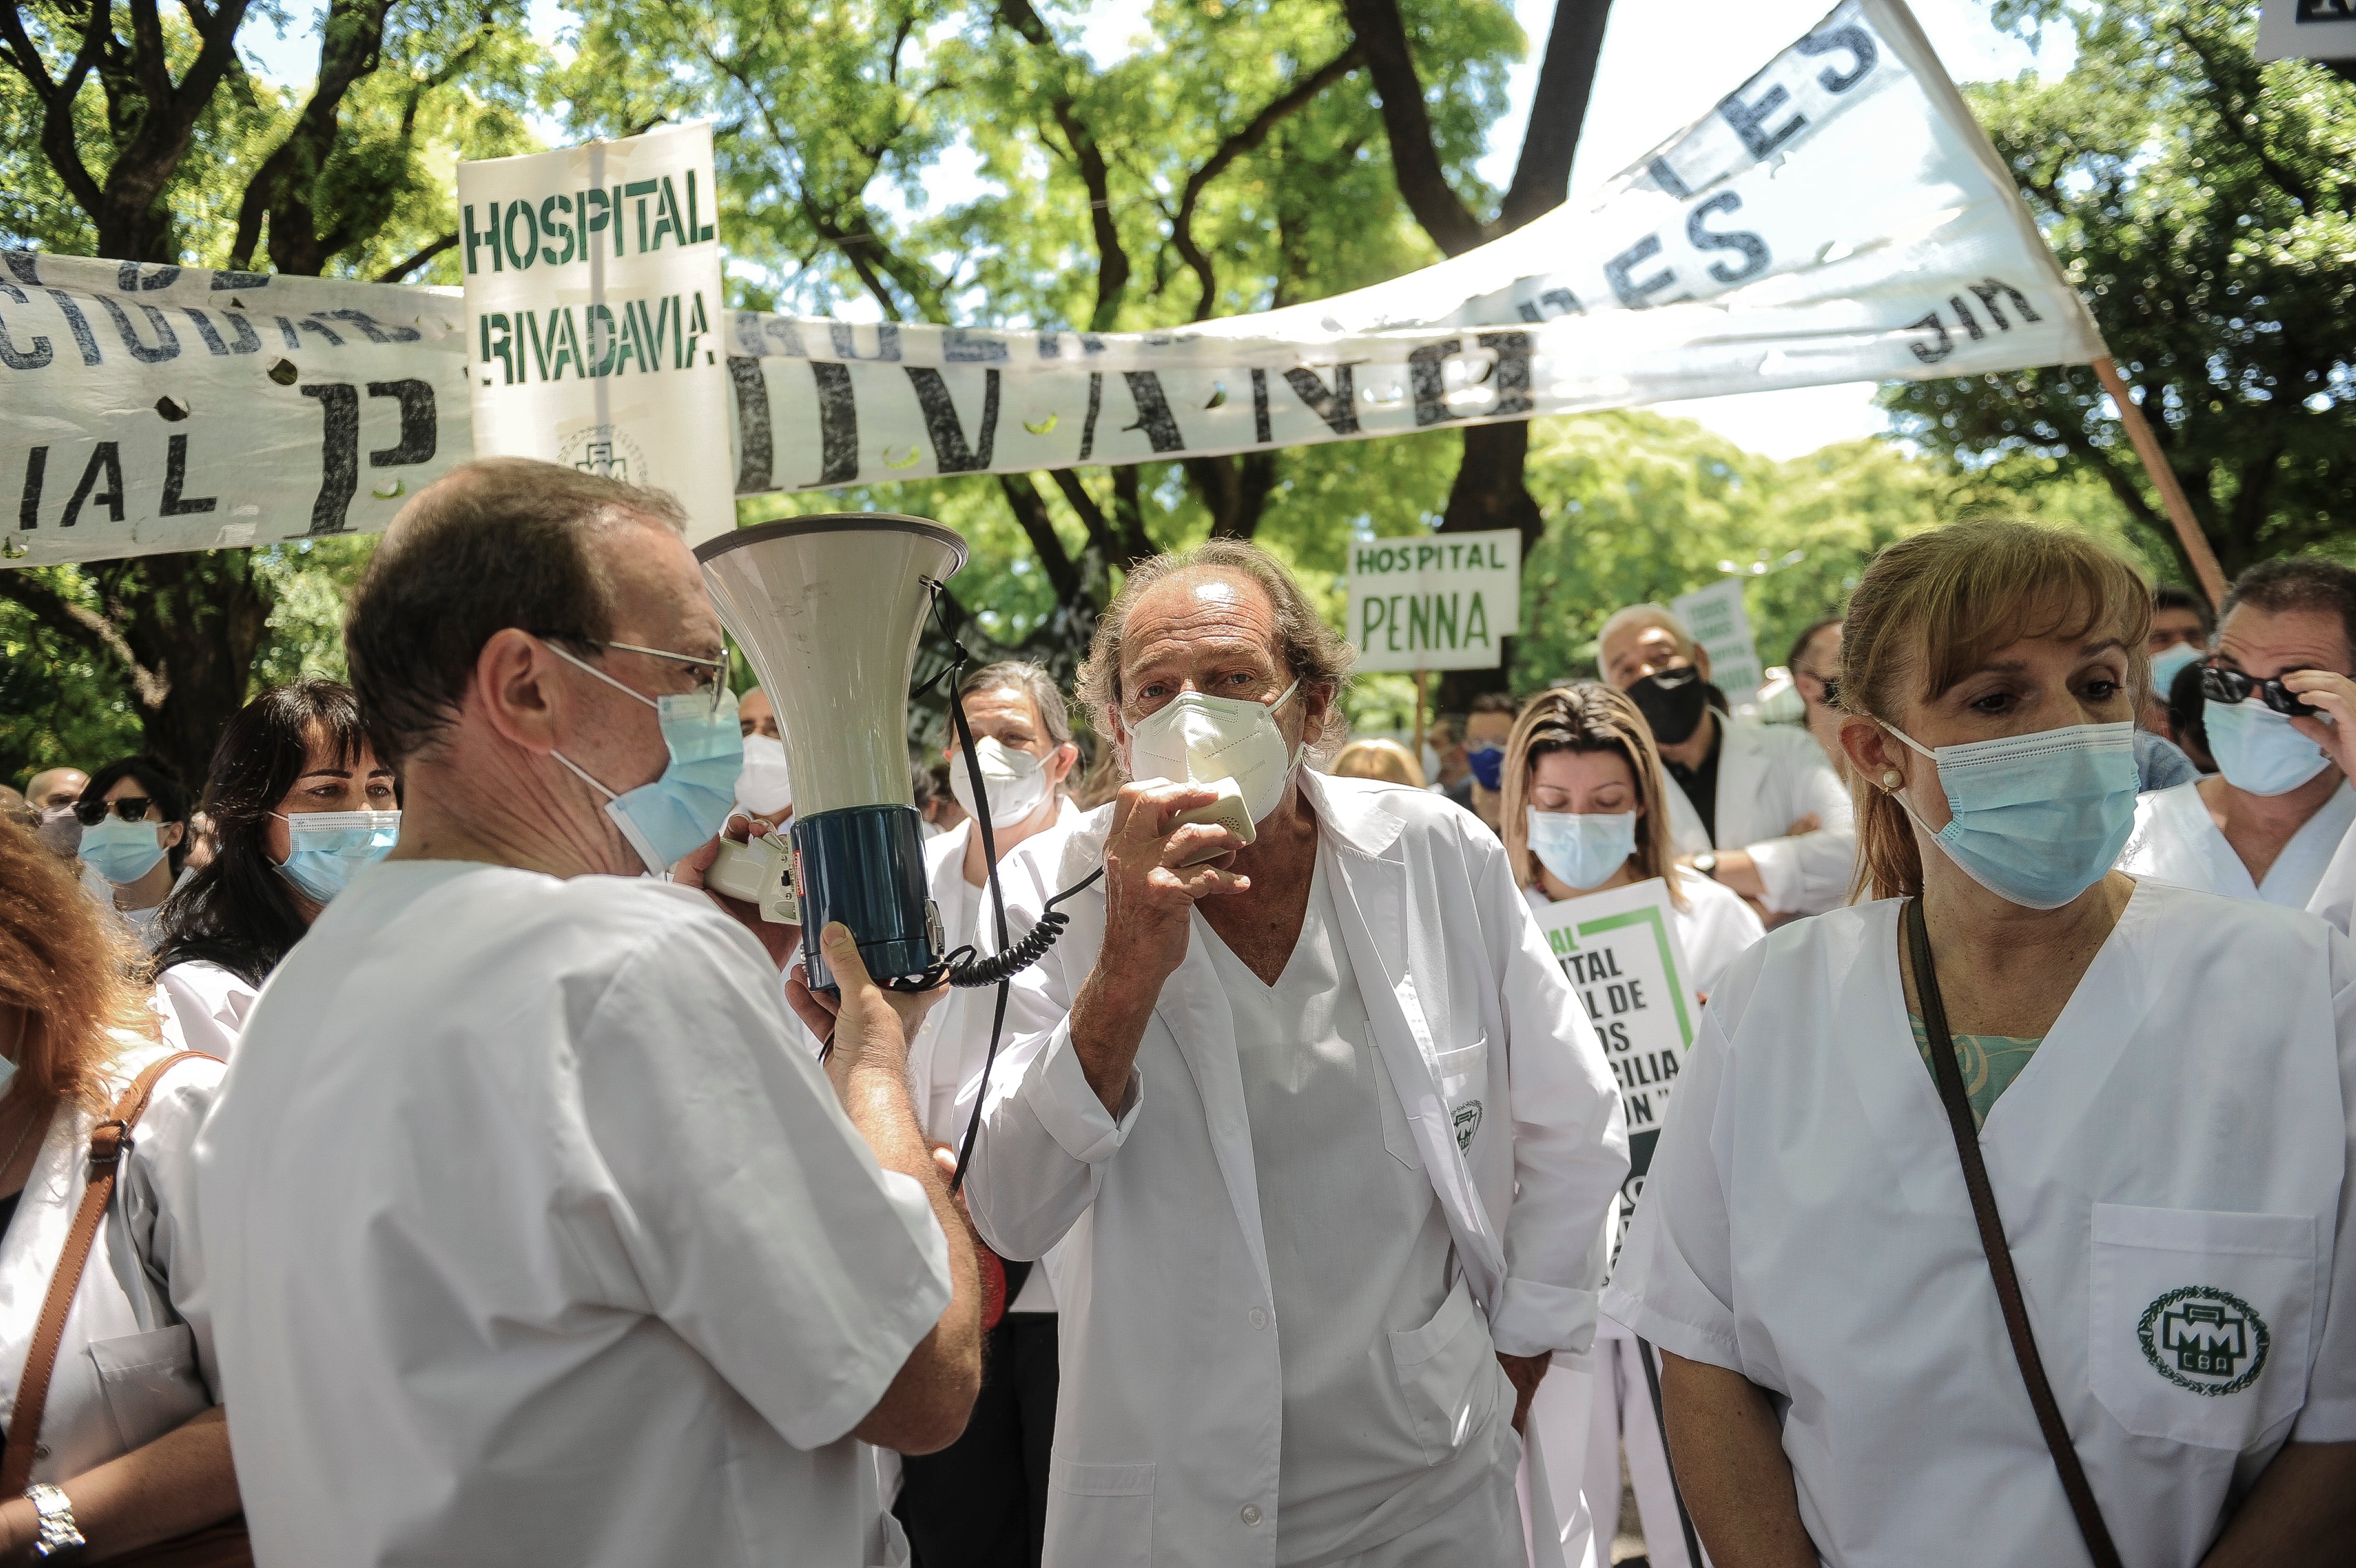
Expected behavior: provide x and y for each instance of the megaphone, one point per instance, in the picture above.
(828, 610)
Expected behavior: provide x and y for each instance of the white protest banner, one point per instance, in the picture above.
(1718, 622)
(1621, 952)
(593, 312)
(1839, 216)
(151, 408)
(1438, 601)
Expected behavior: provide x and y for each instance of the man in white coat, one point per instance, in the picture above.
(1327, 1139)
(1757, 807)
(2266, 826)
(535, 1234)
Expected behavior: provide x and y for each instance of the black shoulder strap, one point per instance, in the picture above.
(1999, 1254)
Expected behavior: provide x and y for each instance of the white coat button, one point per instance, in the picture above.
(1251, 1513)
(1258, 1317)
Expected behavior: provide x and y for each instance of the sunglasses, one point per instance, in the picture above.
(131, 809)
(2220, 685)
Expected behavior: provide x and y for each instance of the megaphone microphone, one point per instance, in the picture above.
(829, 610)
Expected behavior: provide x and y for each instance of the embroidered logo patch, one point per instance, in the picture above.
(2206, 1339)
(1468, 1121)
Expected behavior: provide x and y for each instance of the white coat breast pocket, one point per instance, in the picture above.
(1463, 1075)
(2200, 1321)
(1447, 1373)
(1101, 1515)
(150, 1382)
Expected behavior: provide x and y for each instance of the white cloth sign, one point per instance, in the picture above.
(1435, 601)
(594, 307)
(1718, 622)
(1621, 953)
(1838, 217)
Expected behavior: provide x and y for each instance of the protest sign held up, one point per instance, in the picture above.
(1435, 601)
(1621, 952)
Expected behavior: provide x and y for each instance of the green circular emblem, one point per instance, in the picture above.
(2206, 1339)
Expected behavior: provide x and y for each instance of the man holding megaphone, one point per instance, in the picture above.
(1328, 1141)
(536, 1236)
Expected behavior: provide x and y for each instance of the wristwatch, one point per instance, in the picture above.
(60, 1541)
(1706, 862)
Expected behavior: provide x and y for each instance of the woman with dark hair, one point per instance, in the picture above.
(134, 836)
(299, 803)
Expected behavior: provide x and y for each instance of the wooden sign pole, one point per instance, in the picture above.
(2171, 493)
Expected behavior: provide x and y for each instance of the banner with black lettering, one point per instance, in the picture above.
(1621, 952)
(1838, 217)
(151, 408)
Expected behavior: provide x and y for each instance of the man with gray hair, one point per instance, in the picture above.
(1327, 1137)
(1757, 807)
(533, 1234)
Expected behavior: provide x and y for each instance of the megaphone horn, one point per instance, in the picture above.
(829, 610)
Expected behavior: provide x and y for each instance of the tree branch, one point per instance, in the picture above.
(1415, 158)
(1248, 139)
(1101, 538)
(1029, 509)
(398, 272)
(1096, 175)
(351, 38)
(1566, 80)
(86, 628)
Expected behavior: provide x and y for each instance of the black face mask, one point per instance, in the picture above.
(1673, 702)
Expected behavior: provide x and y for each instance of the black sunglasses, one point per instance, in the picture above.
(2220, 685)
(131, 809)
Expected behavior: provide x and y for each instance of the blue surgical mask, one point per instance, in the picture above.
(1488, 765)
(326, 849)
(2169, 662)
(1583, 849)
(2038, 818)
(685, 806)
(122, 852)
(2256, 749)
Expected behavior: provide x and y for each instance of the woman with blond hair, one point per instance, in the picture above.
(121, 1426)
(1376, 758)
(1584, 811)
(2078, 1281)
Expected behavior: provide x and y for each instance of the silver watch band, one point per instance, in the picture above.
(60, 1541)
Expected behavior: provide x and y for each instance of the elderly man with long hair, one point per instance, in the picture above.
(1327, 1138)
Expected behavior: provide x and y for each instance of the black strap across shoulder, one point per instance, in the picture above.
(1999, 1254)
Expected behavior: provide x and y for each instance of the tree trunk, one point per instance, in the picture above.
(197, 619)
(1489, 493)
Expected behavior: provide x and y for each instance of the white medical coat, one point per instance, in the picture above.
(2179, 1144)
(137, 1358)
(537, 1238)
(2176, 840)
(945, 1058)
(1769, 776)
(203, 1006)
(1168, 1422)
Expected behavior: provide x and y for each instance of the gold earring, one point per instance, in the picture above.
(1892, 780)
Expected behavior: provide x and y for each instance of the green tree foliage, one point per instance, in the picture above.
(2205, 206)
(1231, 161)
(133, 133)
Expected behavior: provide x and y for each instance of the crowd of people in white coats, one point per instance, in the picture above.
(408, 1160)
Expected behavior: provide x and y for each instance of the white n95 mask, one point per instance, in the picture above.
(764, 784)
(1199, 739)
(1016, 782)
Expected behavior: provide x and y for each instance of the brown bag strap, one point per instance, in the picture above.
(2000, 1253)
(107, 1141)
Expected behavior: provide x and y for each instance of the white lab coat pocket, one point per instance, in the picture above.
(2199, 1320)
(150, 1381)
(1447, 1374)
(1103, 1516)
(1464, 1076)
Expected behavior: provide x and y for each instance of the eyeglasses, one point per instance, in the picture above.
(710, 675)
(131, 809)
(2221, 685)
